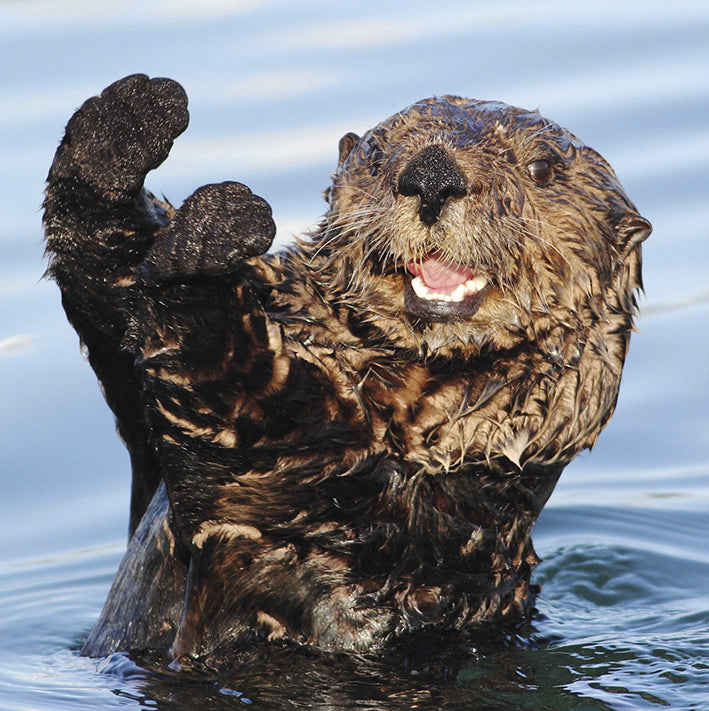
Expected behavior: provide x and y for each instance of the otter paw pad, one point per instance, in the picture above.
(114, 139)
(216, 228)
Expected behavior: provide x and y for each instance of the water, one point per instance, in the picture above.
(623, 618)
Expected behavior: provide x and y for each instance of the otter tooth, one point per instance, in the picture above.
(472, 286)
(475, 284)
(425, 292)
(420, 288)
(458, 293)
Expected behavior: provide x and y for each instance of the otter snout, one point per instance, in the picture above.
(435, 178)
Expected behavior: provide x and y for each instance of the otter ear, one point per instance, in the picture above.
(347, 143)
(631, 231)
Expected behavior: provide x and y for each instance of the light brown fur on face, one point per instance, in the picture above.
(350, 440)
(548, 251)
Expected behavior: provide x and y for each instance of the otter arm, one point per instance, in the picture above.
(99, 224)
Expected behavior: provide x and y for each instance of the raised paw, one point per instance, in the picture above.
(114, 139)
(215, 229)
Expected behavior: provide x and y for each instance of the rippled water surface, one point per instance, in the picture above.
(623, 618)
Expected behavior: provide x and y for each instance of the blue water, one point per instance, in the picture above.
(623, 617)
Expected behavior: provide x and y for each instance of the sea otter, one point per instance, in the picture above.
(351, 439)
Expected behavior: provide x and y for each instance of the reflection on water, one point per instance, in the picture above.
(623, 619)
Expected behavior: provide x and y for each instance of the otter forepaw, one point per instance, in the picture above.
(214, 230)
(114, 139)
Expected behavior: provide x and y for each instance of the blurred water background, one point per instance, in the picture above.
(624, 613)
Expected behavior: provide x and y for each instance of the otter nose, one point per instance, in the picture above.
(434, 177)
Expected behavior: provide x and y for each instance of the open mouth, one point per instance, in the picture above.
(439, 290)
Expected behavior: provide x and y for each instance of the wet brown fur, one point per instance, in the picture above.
(338, 470)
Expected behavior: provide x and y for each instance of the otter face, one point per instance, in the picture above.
(481, 222)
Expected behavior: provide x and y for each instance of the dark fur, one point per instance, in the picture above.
(343, 462)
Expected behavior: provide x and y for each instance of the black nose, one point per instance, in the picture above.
(434, 177)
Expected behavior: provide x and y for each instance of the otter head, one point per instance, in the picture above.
(476, 224)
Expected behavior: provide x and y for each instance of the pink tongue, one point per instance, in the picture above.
(439, 274)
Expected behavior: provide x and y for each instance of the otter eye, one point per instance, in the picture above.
(540, 171)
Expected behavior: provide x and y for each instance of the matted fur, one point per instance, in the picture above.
(342, 464)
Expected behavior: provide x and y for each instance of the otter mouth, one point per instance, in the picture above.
(439, 290)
